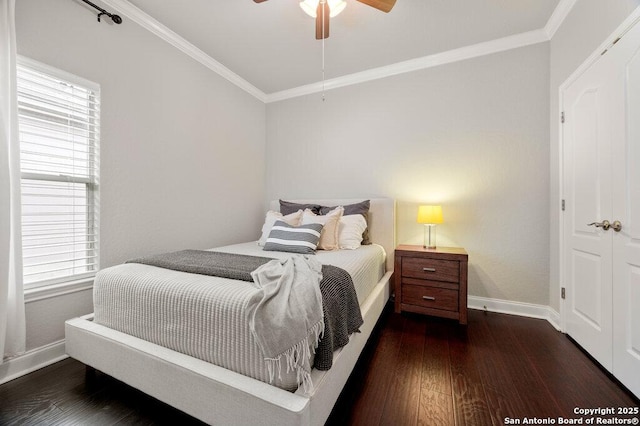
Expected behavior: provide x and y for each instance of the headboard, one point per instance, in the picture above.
(382, 220)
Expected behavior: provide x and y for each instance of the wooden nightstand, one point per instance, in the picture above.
(432, 281)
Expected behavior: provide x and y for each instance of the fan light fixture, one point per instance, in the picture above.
(311, 6)
(323, 10)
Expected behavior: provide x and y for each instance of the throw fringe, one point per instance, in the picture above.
(295, 358)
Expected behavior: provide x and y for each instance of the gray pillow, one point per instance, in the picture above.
(295, 239)
(357, 208)
(288, 207)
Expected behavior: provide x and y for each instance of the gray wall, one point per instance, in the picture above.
(180, 145)
(589, 23)
(472, 135)
(182, 149)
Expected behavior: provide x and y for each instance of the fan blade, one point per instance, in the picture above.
(383, 5)
(259, 1)
(322, 20)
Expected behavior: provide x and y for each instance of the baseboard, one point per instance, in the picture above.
(515, 308)
(31, 361)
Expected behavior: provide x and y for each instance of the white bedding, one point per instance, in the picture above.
(365, 264)
(203, 316)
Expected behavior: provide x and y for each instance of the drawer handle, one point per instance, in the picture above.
(429, 269)
(428, 298)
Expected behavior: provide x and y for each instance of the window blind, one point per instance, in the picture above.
(59, 129)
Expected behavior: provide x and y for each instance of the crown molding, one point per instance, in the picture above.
(561, 11)
(558, 16)
(455, 55)
(144, 20)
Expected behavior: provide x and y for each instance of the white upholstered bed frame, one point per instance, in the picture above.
(219, 396)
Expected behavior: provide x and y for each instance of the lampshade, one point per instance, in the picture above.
(335, 7)
(430, 214)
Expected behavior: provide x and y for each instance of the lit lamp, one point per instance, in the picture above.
(430, 216)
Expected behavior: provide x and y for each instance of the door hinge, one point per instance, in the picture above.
(563, 206)
(563, 293)
(562, 117)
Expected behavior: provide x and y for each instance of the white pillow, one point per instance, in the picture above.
(350, 229)
(293, 219)
(329, 235)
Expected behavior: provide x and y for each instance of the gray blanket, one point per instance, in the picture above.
(286, 317)
(342, 315)
(217, 264)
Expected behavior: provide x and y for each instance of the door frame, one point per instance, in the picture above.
(626, 25)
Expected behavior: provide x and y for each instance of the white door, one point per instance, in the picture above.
(626, 209)
(601, 138)
(587, 194)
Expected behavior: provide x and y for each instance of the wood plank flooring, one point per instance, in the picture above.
(416, 370)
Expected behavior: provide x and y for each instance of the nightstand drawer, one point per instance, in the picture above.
(430, 297)
(431, 269)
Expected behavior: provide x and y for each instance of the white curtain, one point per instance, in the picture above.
(12, 322)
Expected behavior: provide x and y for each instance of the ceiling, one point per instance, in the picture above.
(272, 45)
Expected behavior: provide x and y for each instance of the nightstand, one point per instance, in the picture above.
(431, 281)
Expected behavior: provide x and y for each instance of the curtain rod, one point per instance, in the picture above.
(115, 18)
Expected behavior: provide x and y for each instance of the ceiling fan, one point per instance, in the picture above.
(323, 11)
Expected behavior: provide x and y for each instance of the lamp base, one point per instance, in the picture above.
(429, 236)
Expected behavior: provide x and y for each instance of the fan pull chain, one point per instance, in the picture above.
(322, 70)
(323, 39)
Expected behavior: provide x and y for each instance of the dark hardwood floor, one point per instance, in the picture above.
(415, 370)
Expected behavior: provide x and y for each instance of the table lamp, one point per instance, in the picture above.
(430, 216)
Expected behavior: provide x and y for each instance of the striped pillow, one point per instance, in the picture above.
(295, 239)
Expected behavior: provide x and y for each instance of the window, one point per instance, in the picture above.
(59, 123)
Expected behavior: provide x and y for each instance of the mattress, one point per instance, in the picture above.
(365, 264)
(204, 316)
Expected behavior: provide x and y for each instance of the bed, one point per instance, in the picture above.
(218, 395)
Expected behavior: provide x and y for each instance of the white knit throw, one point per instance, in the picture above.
(285, 315)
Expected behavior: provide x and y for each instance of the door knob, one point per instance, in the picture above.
(616, 225)
(605, 224)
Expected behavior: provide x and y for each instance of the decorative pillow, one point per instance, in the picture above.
(329, 236)
(350, 229)
(293, 219)
(287, 207)
(295, 239)
(357, 208)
